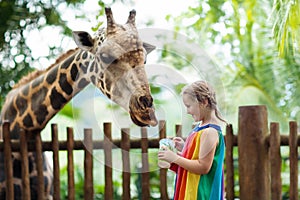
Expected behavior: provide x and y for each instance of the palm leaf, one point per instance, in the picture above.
(286, 28)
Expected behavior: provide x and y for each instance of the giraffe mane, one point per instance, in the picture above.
(32, 75)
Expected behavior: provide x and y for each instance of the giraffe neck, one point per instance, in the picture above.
(33, 104)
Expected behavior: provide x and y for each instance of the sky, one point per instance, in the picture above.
(154, 10)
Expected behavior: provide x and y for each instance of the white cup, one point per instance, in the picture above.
(164, 144)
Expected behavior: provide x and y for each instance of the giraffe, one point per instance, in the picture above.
(113, 60)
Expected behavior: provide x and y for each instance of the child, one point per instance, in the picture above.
(199, 165)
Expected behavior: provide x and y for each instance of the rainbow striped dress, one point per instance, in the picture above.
(209, 186)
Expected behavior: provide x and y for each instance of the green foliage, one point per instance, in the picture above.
(79, 182)
(69, 111)
(154, 182)
(179, 87)
(154, 89)
(248, 51)
(17, 19)
(100, 14)
(79, 185)
(286, 27)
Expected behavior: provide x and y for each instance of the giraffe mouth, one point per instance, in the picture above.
(142, 111)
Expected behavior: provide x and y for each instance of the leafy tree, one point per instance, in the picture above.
(247, 49)
(17, 19)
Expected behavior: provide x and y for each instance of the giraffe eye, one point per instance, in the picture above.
(107, 58)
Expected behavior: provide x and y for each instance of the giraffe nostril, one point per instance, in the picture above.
(146, 102)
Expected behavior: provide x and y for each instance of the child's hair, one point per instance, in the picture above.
(201, 90)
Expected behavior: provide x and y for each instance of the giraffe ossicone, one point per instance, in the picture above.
(113, 60)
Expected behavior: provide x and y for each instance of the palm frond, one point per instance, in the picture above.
(286, 28)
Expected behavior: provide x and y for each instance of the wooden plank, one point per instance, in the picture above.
(253, 153)
(163, 172)
(145, 165)
(8, 162)
(229, 163)
(293, 161)
(78, 145)
(108, 161)
(39, 166)
(275, 159)
(125, 146)
(88, 165)
(70, 165)
(25, 167)
(56, 174)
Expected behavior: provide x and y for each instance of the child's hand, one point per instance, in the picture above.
(167, 155)
(178, 143)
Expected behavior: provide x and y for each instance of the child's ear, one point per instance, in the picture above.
(205, 102)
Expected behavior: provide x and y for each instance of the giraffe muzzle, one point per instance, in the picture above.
(142, 111)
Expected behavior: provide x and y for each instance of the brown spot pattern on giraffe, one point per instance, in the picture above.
(64, 84)
(57, 99)
(35, 74)
(21, 104)
(51, 76)
(74, 72)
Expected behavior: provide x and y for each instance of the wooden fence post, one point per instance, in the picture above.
(163, 172)
(229, 163)
(70, 165)
(253, 153)
(293, 161)
(25, 167)
(275, 160)
(108, 161)
(125, 145)
(8, 162)
(145, 165)
(88, 164)
(178, 130)
(56, 173)
(39, 165)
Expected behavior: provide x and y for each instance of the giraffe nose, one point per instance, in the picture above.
(142, 111)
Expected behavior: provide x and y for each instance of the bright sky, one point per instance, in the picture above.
(154, 10)
(146, 9)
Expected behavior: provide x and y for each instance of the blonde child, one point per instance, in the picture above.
(199, 165)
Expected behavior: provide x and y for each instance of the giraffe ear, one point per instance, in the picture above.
(83, 40)
(148, 47)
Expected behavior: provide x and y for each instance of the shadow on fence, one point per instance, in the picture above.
(259, 158)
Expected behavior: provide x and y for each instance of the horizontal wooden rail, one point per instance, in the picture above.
(134, 144)
(79, 145)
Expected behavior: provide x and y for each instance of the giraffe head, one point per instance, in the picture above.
(119, 58)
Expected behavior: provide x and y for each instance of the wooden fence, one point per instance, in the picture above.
(259, 158)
